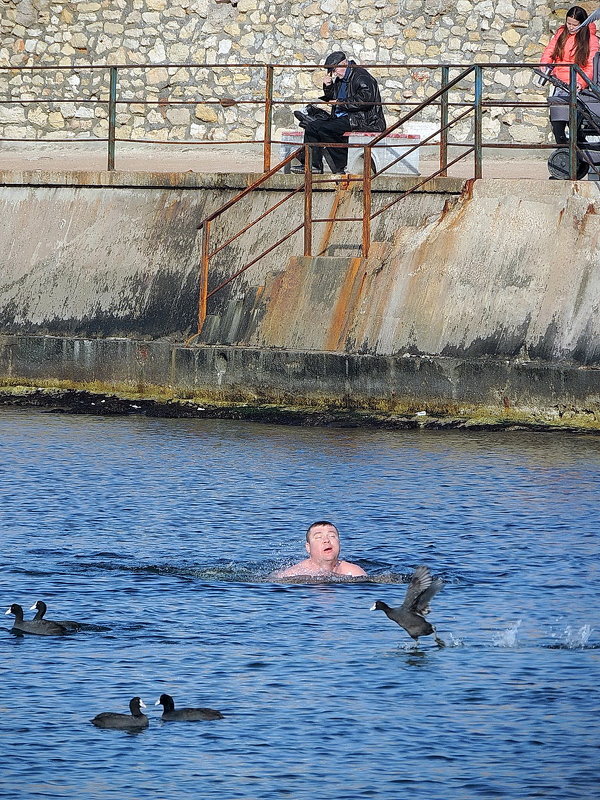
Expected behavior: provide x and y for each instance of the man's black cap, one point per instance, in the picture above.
(333, 59)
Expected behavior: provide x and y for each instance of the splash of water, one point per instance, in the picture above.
(577, 637)
(453, 641)
(507, 638)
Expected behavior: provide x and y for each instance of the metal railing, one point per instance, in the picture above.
(441, 99)
(112, 97)
(472, 104)
(307, 188)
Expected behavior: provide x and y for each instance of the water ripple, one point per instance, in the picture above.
(165, 532)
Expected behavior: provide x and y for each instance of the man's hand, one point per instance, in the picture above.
(327, 81)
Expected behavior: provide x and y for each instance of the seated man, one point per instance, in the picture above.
(323, 548)
(356, 106)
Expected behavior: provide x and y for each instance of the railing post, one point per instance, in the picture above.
(572, 124)
(478, 120)
(203, 296)
(307, 202)
(268, 118)
(444, 123)
(112, 117)
(366, 222)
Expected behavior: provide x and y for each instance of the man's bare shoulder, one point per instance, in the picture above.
(347, 568)
(306, 567)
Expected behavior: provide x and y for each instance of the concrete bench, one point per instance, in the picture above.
(392, 147)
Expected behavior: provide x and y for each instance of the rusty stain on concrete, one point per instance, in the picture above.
(341, 191)
(484, 275)
(347, 300)
(481, 279)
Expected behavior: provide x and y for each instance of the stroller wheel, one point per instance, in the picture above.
(558, 165)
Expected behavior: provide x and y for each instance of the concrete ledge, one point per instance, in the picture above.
(312, 379)
(203, 180)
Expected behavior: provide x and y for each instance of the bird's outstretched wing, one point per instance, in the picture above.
(422, 606)
(420, 582)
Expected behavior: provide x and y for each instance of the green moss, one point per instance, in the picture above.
(168, 401)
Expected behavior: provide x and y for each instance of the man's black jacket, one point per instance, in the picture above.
(361, 101)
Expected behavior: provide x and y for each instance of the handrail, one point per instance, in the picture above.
(259, 64)
(307, 185)
(442, 170)
(421, 106)
(258, 182)
(438, 99)
(254, 222)
(112, 100)
(423, 141)
(253, 262)
(574, 104)
(204, 294)
(423, 182)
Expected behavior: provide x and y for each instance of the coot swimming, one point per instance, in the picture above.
(40, 627)
(40, 608)
(136, 721)
(170, 714)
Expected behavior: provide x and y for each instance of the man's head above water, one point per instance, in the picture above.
(323, 548)
(323, 542)
(321, 524)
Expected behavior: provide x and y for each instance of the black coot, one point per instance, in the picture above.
(40, 608)
(170, 714)
(40, 627)
(136, 721)
(411, 614)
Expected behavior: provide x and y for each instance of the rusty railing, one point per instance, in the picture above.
(307, 187)
(111, 96)
(439, 102)
(441, 98)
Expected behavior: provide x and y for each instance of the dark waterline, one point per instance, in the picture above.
(166, 531)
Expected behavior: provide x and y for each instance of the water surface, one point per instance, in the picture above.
(166, 531)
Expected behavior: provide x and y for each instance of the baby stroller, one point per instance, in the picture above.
(588, 124)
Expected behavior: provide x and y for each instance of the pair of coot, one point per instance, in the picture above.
(47, 627)
(137, 720)
(38, 625)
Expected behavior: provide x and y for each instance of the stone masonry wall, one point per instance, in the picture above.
(143, 35)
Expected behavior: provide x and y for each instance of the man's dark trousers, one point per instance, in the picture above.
(329, 130)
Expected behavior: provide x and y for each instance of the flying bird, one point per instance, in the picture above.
(411, 614)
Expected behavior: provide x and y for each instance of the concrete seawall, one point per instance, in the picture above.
(512, 269)
(119, 257)
(482, 294)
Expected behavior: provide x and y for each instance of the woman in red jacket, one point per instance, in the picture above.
(571, 46)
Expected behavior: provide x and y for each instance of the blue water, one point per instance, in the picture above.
(165, 531)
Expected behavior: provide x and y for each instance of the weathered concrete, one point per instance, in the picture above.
(201, 179)
(120, 257)
(512, 268)
(352, 381)
(485, 299)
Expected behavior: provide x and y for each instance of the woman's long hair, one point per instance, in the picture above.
(582, 38)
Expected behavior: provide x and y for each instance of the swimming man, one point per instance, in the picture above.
(323, 548)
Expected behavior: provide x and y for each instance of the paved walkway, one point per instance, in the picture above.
(92, 157)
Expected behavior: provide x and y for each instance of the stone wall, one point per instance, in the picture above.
(184, 103)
